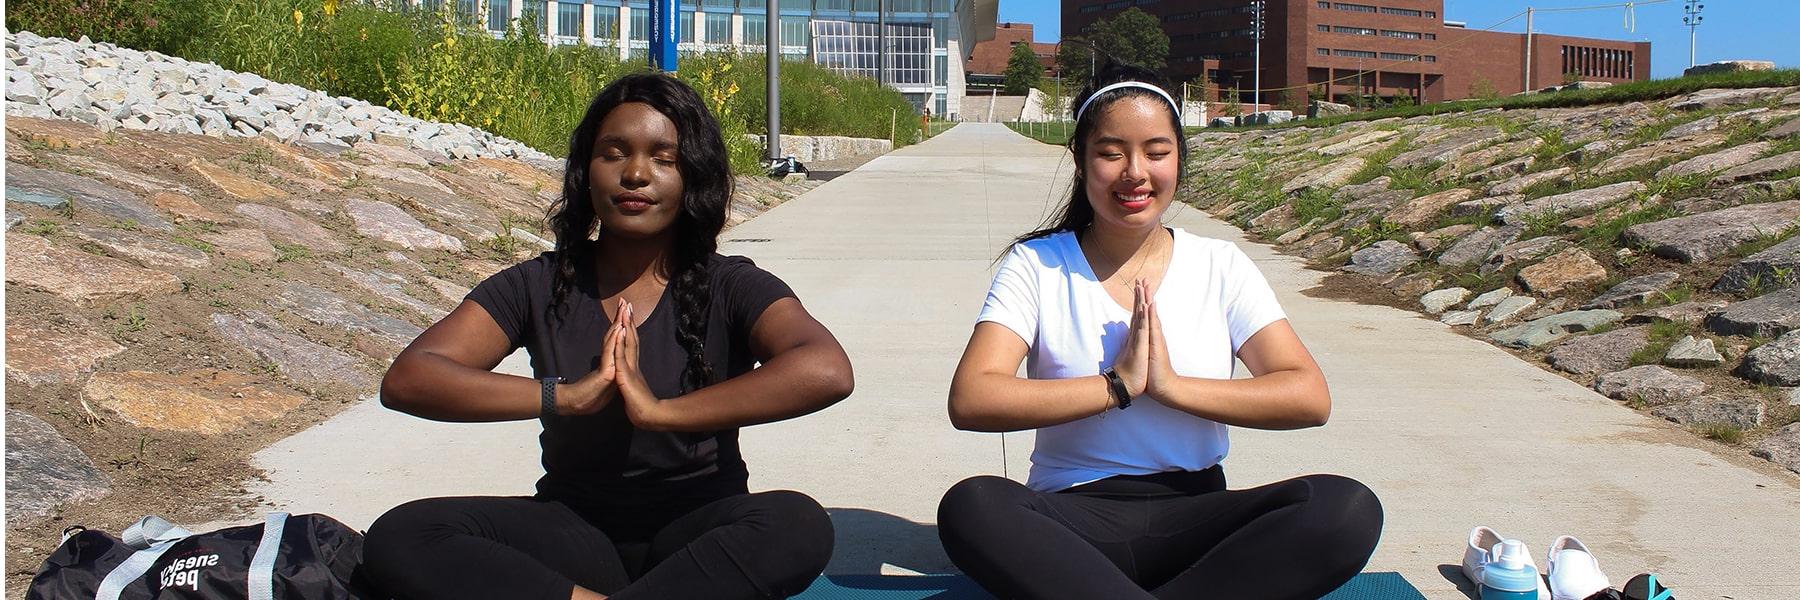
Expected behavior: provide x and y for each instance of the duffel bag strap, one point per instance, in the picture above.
(150, 530)
(262, 565)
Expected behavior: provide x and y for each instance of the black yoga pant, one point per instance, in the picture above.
(1168, 535)
(765, 545)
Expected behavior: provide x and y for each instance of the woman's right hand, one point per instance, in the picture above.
(1133, 363)
(592, 392)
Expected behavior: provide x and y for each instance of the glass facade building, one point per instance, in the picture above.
(922, 35)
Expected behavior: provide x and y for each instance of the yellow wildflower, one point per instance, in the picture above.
(331, 7)
(298, 18)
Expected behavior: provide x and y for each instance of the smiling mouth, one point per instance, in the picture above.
(1132, 198)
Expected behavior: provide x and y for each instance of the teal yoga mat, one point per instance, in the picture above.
(1367, 586)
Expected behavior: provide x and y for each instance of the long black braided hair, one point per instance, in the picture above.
(706, 194)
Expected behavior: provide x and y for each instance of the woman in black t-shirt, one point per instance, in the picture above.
(643, 340)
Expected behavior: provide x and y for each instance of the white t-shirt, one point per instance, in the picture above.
(1210, 301)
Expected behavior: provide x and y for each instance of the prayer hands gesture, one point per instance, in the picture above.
(618, 375)
(1144, 363)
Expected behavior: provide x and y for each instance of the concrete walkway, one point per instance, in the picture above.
(895, 258)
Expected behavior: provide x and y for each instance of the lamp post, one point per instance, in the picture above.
(1692, 19)
(1257, 27)
(773, 30)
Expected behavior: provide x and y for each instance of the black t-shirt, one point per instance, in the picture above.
(601, 462)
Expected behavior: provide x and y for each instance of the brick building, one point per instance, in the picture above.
(987, 61)
(1385, 48)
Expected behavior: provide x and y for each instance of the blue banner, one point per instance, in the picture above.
(664, 33)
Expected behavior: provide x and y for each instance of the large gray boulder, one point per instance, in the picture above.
(1634, 291)
(1763, 268)
(1649, 384)
(1774, 363)
(1476, 247)
(1549, 329)
(1702, 237)
(44, 470)
(1768, 315)
(1385, 257)
(1738, 413)
(1782, 448)
(1601, 352)
(1561, 204)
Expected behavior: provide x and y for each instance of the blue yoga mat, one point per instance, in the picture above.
(1367, 586)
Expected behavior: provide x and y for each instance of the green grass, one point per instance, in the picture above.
(1375, 165)
(1662, 335)
(1721, 432)
(1055, 134)
(1604, 236)
(1637, 91)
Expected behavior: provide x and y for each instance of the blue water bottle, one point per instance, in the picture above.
(1509, 575)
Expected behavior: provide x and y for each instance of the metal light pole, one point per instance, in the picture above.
(1256, 95)
(1529, 13)
(1692, 19)
(773, 30)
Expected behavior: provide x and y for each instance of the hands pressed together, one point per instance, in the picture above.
(1144, 363)
(617, 378)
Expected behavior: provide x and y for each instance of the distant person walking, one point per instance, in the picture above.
(1128, 330)
(643, 339)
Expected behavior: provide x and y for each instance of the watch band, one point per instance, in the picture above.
(547, 397)
(1116, 387)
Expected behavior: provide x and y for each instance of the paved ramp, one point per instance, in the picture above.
(895, 257)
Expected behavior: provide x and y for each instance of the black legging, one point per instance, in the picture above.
(1168, 535)
(764, 545)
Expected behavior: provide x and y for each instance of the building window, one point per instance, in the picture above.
(1354, 53)
(1325, 28)
(687, 27)
(1431, 59)
(467, 11)
(568, 19)
(1179, 17)
(940, 70)
(1405, 35)
(1353, 30)
(499, 14)
(640, 24)
(718, 28)
(1431, 14)
(1404, 12)
(606, 25)
(756, 30)
(1324, 4)
(1354, 7)
(1324, 52)
(718, 3)
(1431, 36)
(794, 31)
(1117, 5)
(1092, 8)
(1399, 56)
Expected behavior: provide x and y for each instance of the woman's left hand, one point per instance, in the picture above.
(640, 403)
(1161, 379)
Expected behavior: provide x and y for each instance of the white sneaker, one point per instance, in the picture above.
(1572, 570)
(1479, 552)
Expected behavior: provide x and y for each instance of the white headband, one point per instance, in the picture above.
(1123, 85)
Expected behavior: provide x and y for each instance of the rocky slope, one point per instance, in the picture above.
(1646, 249)
(177, 300)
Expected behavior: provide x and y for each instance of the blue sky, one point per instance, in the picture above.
(1734, 29)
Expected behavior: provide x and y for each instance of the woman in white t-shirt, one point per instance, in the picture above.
(1128, 330)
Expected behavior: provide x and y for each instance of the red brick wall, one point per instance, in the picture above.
(989, 57)
(1290, 49)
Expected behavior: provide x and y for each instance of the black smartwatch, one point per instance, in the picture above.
(548, 396)
(1116, 388)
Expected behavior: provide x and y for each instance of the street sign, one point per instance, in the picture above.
(664, 32)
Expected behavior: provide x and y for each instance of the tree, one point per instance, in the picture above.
(1132, 36)
(1022, 70)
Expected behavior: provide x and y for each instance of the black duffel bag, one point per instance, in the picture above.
(287, 557)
